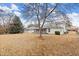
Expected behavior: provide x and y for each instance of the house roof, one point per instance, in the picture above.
(31, 26)
(55, 25)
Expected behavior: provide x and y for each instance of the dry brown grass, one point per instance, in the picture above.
(30, 44)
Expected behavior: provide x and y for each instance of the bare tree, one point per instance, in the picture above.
(5, 20)
(41, 11)
(3, 24)
(9, 20)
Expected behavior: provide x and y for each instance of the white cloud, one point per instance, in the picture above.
(14, 7)
(5, 8)
(75, 14)
(74, 18)
(25, 23)
(17, 13)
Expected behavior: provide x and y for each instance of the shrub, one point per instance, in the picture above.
(57, 32)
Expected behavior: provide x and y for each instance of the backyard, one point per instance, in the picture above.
(30, 44)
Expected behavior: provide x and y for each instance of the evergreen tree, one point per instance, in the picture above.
(16, 26)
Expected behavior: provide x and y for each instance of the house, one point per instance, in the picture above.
(33, 28)
(54, 30)
(49, 28)
(73, 28)
(57, 27)
(77, 30)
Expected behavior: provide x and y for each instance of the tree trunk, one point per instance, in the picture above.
(40, 32)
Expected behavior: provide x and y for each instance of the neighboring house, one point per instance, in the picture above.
(73, 28)
(77, 30)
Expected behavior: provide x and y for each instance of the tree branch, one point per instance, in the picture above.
(48, 15)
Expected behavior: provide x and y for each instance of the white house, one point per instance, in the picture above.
(57, 27)
(53, 28)
(57, 24)
(33, 28)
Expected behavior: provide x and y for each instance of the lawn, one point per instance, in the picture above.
(30, 44)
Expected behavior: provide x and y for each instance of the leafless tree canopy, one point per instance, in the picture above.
(41, 11)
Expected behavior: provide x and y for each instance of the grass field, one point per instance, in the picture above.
(30, 44)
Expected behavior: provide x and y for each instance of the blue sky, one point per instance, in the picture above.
(70, 9)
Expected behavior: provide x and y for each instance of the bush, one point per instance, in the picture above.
(57, 32)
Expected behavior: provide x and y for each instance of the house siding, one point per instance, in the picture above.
(52, 31)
